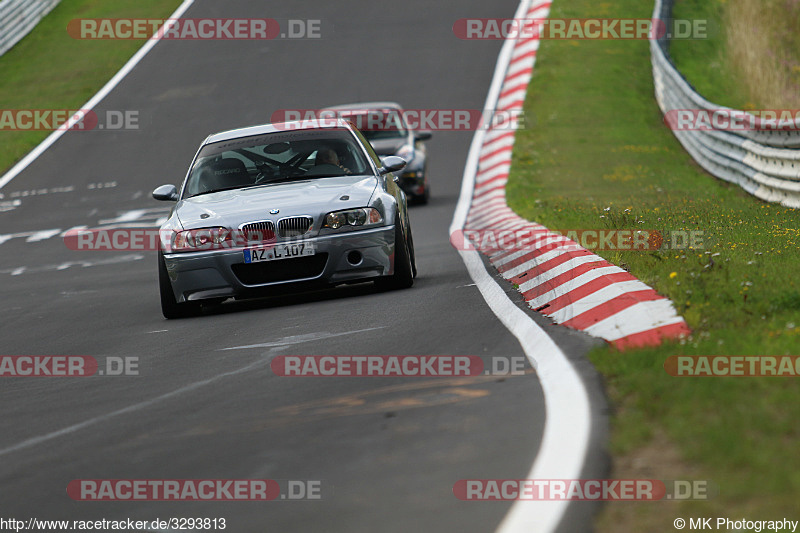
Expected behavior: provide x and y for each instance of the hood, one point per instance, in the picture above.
(308, 197)
(388, 146)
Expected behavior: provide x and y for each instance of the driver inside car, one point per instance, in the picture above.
(326, 157)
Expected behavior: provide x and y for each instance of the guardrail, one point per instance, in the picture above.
(19, 17)
(765, 163)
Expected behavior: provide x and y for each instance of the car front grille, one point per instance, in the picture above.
(281, 270)
(294, 226)
(259, 231)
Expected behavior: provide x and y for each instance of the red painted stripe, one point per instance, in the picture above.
(500, 136)
(496, 152)
(490, 190)
(550, 264)
(516, 104)
(486, 170)
(652, 337)
(519, 87)
(611, 307)
(585, 290)
(530, 53)
(559, 280)
(480, 189)
(534, 252)
(521, 74)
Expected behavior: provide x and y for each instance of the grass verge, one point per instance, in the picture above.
(48, 69)
(599, 156)
(752, 60)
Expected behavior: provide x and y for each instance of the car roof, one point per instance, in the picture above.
(366, 106)
(296, 125)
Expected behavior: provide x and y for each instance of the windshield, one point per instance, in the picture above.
(275, 158)
(377, 124)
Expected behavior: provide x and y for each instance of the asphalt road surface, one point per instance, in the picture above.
(206, 404)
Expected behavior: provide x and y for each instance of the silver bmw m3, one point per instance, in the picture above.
(290, 205)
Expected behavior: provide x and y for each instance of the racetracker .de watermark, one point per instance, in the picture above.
(193, 489)
(512, 240)
(733, 365)
(582, 489)
(580, 29)
(68, 119)
(66, 366)
(415, 119)
(153, 239)
(395, 366)
(733, 120)
(195, 29)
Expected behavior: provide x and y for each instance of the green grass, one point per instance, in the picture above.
(50, 70)
(598, 142)
(751, 60)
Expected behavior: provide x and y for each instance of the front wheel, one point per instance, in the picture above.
(170, 308)
(403, 276)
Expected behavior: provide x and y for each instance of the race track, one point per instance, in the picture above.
(206, 403)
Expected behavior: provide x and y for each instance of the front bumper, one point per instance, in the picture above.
(413, 183)
(224, 274)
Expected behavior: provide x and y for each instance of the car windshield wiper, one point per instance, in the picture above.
(220, 190)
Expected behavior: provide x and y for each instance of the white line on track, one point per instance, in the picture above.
(126, 410)
(262, 361)
(297, 339)
(96, 99)
(565, 439)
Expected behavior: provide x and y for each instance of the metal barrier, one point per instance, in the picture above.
(765, 163)
(19, 17)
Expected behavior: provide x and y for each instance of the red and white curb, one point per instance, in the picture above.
(557, 277)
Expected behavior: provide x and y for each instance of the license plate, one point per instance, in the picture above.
(279, 251)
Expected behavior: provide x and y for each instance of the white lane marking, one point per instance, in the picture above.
(96, 99)
(63, 266)
(297, 339)
(565, 440)
(33, 441)
(262, 361)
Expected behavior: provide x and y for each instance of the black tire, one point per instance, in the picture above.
(403, 276)
(169, 307)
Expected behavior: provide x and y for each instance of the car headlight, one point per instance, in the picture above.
(201, 239)
(406, 152)
(363, 216)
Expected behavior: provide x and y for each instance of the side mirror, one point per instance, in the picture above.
(392, 164)
(423, 135)
(166, 193)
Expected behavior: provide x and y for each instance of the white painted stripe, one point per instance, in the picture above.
(96, 99)
(523, 48)
(573, 284)
(503, 155)
(565, 438)
(545, 239)
(491, 176)
(638, 318)
(505, 103)
(596, 299)
(489, 196)
(493, 138)
(536, 262)
(497, 144)
(558, 270)
(43, 235)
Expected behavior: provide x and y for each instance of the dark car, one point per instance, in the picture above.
(385, 126)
